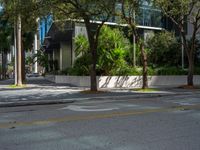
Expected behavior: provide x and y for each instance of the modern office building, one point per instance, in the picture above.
(59, 42)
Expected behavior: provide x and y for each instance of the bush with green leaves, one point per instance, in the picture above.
(164, 50)
(174, 71)
(112, 50)
(197, 71)
(197, 53)
(82, 45)
(114, 55)
(170, 71)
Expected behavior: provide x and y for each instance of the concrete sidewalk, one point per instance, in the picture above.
(39, 91)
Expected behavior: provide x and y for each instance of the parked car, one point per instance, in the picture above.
(32, 75)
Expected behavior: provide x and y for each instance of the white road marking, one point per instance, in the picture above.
(88, 108)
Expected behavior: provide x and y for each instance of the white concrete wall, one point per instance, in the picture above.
(119, 81)
(82, 81)
(168, 80)
(50, 78)
(125, 81)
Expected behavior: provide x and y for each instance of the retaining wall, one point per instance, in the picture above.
(124, 81)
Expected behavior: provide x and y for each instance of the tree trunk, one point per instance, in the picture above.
(144, 63)
(23, 64)
(134, 51)
(93, 50)
(1, 64)
(190, 69)
(4, 64)
(19, 49)
(16, 53)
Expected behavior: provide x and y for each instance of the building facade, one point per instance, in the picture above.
(59, 42)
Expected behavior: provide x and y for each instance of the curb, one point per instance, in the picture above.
(34, 103)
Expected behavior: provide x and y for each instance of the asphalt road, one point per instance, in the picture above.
(162, 123)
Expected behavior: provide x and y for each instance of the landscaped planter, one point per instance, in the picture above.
(123, 81)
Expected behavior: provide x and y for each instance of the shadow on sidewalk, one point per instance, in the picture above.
(32, 82)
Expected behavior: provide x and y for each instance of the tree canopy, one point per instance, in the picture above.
(88, 11)
(182, 13)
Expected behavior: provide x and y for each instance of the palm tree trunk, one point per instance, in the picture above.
(93, 52)
(19, 49)
(23, 64)
(4, 63)
(93, 81)
(144, 63)
(190, 70)
(16, 53)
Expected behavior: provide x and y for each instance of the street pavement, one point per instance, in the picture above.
(116, 120)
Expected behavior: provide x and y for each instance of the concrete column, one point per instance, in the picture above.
(72, 49)
(53, 60)
(65, 55)
(61, 58)
(35, 52)
(36, 46)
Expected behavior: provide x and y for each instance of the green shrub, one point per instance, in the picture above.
(75, 71)
(126, 71)
(112, 50)
(197, 71)
(196, 52)
(81, 45)
(175, 71)
(151, 71)
(164, 49)
(81, 66)
(170, 71)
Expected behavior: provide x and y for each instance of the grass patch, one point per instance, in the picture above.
(15, 86)
(146, 90)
